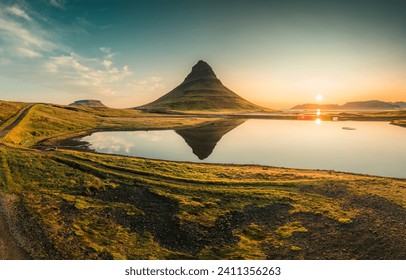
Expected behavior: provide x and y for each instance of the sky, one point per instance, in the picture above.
(276, 53)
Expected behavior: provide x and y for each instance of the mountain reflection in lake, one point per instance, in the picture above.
(374, 148)
(203, 139)
(164, 144)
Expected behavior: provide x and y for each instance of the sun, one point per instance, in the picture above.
(319, 97)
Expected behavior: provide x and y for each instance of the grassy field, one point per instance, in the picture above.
(51, 123)
(78, 205)
(8, 110)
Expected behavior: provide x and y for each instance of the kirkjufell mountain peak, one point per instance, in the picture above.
(201, 70)
(201, 91)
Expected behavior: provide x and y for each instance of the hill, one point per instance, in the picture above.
(201, 91)
(399, 103)
(317, 106)
(88, 103)
(9, 109)
(357, 105)
(370, 105)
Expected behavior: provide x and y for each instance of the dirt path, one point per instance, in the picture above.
(21, 116)
(9, 248)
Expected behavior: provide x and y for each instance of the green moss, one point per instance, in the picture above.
(295, 248)
(345, 221)
(254, 232)
(289, 229)
(251, 245)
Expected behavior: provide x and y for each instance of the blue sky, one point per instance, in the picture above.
(275, 53)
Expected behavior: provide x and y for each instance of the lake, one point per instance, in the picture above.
(375, 148)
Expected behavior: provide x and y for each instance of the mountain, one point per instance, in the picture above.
(203, 139)
(369, 105)
(88, 103)
(317, 106)
(399, 103)
(201, 91)
(358, 105)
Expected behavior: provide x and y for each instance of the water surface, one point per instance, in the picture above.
(375, 148)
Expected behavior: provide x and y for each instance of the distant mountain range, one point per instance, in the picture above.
(400, 104)
(358, 105)
(200, 91)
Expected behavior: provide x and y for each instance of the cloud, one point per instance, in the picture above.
(17, 33)
(60, 4)
(25, 37)
(21, 35)
(32, 48)
(5, 61)
(17, 11)
(147, 85)
(64, 64)
(28, 53)
(107, 63)
(155, 79)
(107, 52)
(110, 143)
(94, 75)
